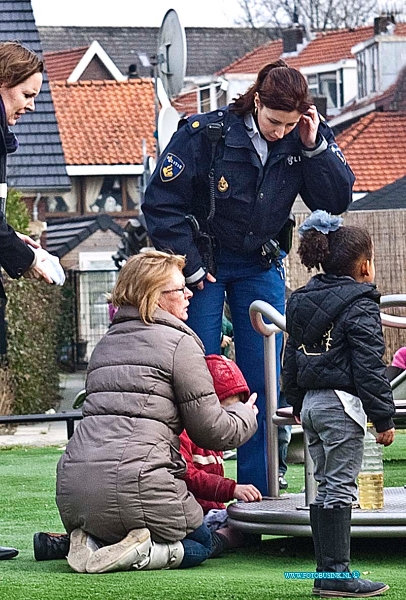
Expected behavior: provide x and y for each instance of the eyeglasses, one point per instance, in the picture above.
(183, 290)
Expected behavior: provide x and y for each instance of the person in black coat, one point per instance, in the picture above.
(334, 377)
(20, 83)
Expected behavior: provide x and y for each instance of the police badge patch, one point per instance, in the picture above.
(171, 167)
(334, 148)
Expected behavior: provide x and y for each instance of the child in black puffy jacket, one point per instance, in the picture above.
(334, 377)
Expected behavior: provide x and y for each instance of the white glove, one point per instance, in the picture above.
(50, 264)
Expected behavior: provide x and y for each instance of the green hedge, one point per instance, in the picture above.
(29, 378)
(33, 321)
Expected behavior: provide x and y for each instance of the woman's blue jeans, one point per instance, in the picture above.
(243, 279)
(197, 547)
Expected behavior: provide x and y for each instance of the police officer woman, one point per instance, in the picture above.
(222, 193)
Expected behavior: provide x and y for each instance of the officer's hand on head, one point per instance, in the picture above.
(308, 126)
(209, 277)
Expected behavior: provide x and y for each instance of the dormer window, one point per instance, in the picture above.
(367, 71)
(328, 84)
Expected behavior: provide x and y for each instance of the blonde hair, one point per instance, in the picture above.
(141, 280)
(17, 63)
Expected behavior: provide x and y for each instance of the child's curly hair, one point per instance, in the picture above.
(337, 252)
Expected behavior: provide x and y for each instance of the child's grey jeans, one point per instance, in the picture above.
(336, 445)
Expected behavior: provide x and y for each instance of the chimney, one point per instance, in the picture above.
(381, 23)
(291, 38)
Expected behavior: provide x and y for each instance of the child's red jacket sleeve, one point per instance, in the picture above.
(205, 473)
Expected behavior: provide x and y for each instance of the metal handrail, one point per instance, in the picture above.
(393, 300)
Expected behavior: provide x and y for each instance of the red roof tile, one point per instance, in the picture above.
(59, 65)
(327, 47)
(375, 147)
(104, 122)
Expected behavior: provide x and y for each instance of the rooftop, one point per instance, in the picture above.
(209, 49)
(39, 163)
(63, 235)
(326, 47)
(375, 147)
(390, 197)
(104, 122)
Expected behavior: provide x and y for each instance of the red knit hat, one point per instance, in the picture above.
(227, 377)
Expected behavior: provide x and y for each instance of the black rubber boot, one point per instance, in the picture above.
(314, 522)
(7, 553)
(50, 546)
(335, 538)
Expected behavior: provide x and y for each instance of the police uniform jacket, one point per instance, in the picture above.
(336, 342)
(252, 201)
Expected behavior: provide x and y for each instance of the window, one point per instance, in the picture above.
(112, 194)
(362, 75)
(327, 84)
(211, 97)
(368, 71)
(205, 99)
(63, 203)
(374, 67)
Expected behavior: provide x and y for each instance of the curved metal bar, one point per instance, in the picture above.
(260, 309)
(393, 300)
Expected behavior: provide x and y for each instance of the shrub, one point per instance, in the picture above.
(29, 377)
(17, 212)
(32, 324)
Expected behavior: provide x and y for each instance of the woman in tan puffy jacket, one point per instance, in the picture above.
(120, 491)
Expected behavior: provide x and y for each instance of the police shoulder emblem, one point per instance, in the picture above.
(335, 148)
(172, 166)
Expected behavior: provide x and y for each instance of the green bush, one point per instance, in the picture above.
(33, 317)
(29, 376)
(17, 212)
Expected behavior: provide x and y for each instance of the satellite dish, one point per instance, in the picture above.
(168, 120)
(172, 53)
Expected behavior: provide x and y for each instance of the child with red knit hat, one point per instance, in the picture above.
(205, 472)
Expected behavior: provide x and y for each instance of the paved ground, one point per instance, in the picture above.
(48, 434)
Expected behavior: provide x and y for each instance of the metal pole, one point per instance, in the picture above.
(271, 395)
(257, 309)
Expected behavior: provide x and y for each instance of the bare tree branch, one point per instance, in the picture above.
(321, 14)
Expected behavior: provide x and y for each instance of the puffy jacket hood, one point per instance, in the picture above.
(310, 311)
(228, 379)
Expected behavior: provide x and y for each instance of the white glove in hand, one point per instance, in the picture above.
(50, 265)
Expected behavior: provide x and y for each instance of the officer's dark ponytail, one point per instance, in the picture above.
(336, 252)
(279, 87)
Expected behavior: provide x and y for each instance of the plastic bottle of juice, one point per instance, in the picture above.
(370, 478)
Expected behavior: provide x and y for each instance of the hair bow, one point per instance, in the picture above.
(321, 221)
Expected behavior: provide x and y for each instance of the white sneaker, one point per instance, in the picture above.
(135, 547)
(81, 547)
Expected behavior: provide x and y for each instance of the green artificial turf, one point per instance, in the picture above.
(27, 505)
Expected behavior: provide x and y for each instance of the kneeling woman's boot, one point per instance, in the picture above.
(335, 535)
